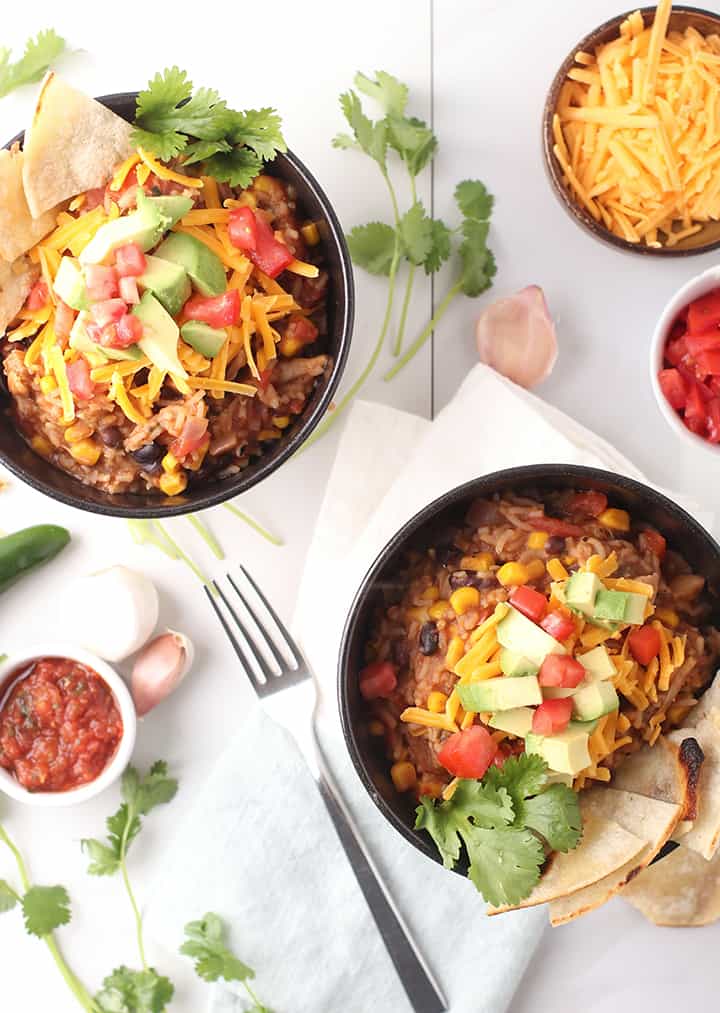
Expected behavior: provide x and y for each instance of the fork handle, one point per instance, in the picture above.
(424, 995)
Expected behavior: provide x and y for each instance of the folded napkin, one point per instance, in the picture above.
(271, 863)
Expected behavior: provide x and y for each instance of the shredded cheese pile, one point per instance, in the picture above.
(637, 131)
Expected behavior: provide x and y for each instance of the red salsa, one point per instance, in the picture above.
(59, 725)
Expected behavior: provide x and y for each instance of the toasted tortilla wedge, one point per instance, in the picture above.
(704, 834)
(16, 280)
(682, 890)
(582, 902)
(710, 700)
(667, 771)
(19, 231)
(605, 847)
(73, 145)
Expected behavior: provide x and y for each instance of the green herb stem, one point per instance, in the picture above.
(423, 337)
(267, 535)
(136, 914)
(397, 346)
(207, 536)
(182, 555)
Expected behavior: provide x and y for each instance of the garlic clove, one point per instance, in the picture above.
(160, 668)
(516, 336)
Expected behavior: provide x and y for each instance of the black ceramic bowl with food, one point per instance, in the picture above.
(20, 459)
(369, 759)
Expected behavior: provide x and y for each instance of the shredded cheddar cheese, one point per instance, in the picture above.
(162, 171)
(121, 173)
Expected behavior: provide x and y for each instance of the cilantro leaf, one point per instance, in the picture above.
(40, 53)
(555, 815)
(373, 247)
(413, 140)
(164, 146)
(200, 151)
(128, 991)
(504, 863)
(474, 200)
(390, 93)
(155, 788)
(164, 93)
(344, 141)
(238, 167)
(522, 776)
(104, 858)
(416, 233)
(260, 130)
(205, 944)
(8, 897)
(45, 908)
(442, 829)
(440, 248)
(478, 263)
(372, 137)
(473, 803)
(168, 104)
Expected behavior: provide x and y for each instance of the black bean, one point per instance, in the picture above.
(555, 545)
(468, 578)
(111, 436)
(429, 638)
(148, 455)
(400, 652)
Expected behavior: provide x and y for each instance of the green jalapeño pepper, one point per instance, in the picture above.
(24, 550)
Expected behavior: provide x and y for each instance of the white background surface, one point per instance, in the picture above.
(486, 66)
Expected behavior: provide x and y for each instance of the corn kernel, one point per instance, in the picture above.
(455, 651)
(556, 570)
(569, 560)
(269, 434)
(481, 562)
(513, 575)
(86, 452)
(195, 460)
(431, 593)
(172, 484)
(535, 569)
(41, 446)
(76, 432)
(668, 617)
(404, 776)
(169, 462)
(432, 788)
(263, 183)
(419, 614)
(464, 599)
(310, 234)
(48, 384)
(290, 347)
(282, 421)
(436, 702)
(438, 610)
(537, 540)
(616, 520)
(376, 729)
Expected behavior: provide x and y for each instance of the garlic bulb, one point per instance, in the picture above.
(112, 612)
(516, 336)
(159, 669)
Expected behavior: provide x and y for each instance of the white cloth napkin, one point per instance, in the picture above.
(271, 863)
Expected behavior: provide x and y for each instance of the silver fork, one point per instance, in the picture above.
(289, 695)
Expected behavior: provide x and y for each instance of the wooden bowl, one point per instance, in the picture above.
(708, 238)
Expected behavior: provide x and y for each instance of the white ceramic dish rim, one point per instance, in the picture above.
(59, 649)
(699, 285)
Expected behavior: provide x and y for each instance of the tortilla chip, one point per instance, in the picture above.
(16, 280)
(710, 700)
(73, 145)
(582, 902)
(605, 847)
(667, 771)
(681, 890)
(704, 834)
(19, 231)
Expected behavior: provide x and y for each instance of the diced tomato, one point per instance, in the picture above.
(696, 344)
(270, 255)
(78, 374)
(93, 198)
(553, 526)
(378, 680)
(561, 670)
(130, 261)
(591, 503)
(709, 362)
(655, 541)
(530, 602)
(695, 425)
(644, 644)
(468, 753)
(64, 319)
(129, 290)
(558, 625)
(38, 296)
(713, 420)
(128, 331)
(108, 311)
(190, 438)
(704, 313)
(693, 377)
(675, 350)
(501, 756)
(242, 229)
(552, 716)
(673, 387)
(217, 311)
(101, 282)
(695, 405)
(300, 329)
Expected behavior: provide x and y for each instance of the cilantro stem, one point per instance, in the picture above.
(422, 338)
(207, 536)
(182, 555)
(267, 535)
(136, 910)
(397, 347)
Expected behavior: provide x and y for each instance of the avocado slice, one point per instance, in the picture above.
(98, 355)
(517, 721)
(610, 605)
(168, 282)
(204, 267)
(515, 665)
(146, 226)
(581, 591)
(595, 700)
(635, 608)
(70, 285)
(597, 663)
(500, 694)
(524, 637)
(203, 338)
(160, 335)
(567, 752)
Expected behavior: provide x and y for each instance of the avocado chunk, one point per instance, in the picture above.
(597, 663)
(517, 721)
(168, 282)
(581, 591)
(500, 694)
(160, 335)
(522, 636)
(98, 355)
(70, 285)
(203, 338)
(635, 609)
(558, 692)
(514, 665)
(146, 226)
(595, 700)
(204, 267)
(555, 777)
(610, 605)
(567, 752)
(585, 726)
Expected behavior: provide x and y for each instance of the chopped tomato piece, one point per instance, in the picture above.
(709, 362)
(695, 406)
(270, 255)
(644, 644)
(468, 753)
(696, 344)
(591, 503)
(301, 329)
(713, 420)
(655, 541)
(129, 290)
(130, 261)
(101, 282)
(93, 198)
(38, 296)
(378, 680)
(561, 670)
(704, 313)
(78, 374)
(217, 311)
(672, 385)
(558, 625)
(242, 229)
(191, 437)
(676, 350)
(64, 319)
(108, 311)
(530, 602)
(552, 716)
(128, 331)
(553, 526)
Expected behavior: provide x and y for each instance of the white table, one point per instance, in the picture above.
(481, 69)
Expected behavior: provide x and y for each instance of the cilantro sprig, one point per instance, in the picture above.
(40, 53)
(503, 822)
(205, 945)
(172, 119)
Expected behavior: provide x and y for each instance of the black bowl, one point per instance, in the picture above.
(22, 461)
(683, 533)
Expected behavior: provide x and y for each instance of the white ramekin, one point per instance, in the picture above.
(54, 799)
(693, 289)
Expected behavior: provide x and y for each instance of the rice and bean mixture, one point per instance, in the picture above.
(510, 541)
